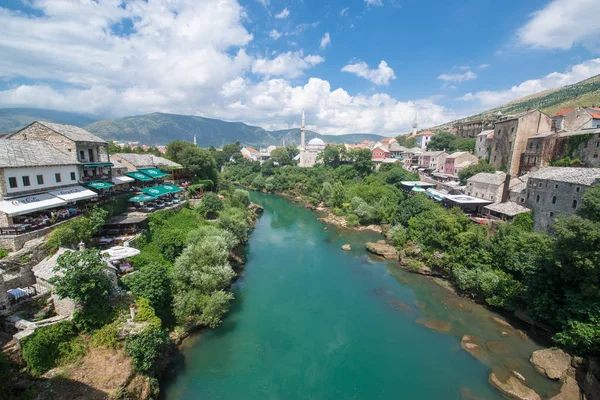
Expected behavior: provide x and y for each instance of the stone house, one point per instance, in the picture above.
(483, 143)
(554, 191)
(457, 161)
(380, 153)
(396, 150)
(432, 160)
(539, 152)
(488, 186)
(583, 144)
(510, 138)
(576, 118)
(82, 146)
(422, 139)
(250, 153)
(471, 129)
(132, 162)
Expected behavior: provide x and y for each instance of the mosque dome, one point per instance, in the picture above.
(316, 142)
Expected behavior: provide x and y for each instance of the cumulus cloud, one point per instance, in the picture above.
(289, 65)
(483, 66)
(467, 76)
(283, 14)
(553, 80)
(380, 76)
(275, 34)
(184, 57)
(563, 24)
(344, 11)
(325, 41)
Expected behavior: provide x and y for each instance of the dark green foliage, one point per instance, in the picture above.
(197, 161)
(449, 142)
(282, 156)
(42, 350)
(80, 229)
(3, 253)
(590, 208)
(240, 198)
(566, 162)
(149, 349)
(152, 282)
(338, 195)
(85, 281)
(211, 204)
(466, 173)
(6, 372)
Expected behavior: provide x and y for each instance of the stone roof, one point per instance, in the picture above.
(395, 146)
(543, 135)
(31, 153)
(433, 153)
(509, 208)
(457, 154)
(580, 132)
(514, 116)
(486, 133)
(582, 176)
(74, 133)
(146, 160)
(519, 187)
(489, 178)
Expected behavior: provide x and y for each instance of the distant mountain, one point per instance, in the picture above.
(160, 128)
(13, 119)
(584, 93)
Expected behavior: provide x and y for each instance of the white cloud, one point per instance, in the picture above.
(483, 66)
(553, 80)
(344, 11)
(184, 57)
(289, 65)
(325, 41)
(377, 3)
(563, 24)
(466, 76)
(283, 14)
(275, 34)
(380, 76)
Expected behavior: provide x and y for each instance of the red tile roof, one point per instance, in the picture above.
(563, 111)
(594, 112)
(425, 133)
(251, 150)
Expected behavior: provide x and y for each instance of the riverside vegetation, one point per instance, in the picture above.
(554, 277)
(189, 258)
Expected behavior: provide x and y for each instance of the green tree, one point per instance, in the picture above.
(326, 192)
(241, 197)
(42, 349)
(361, 160)
(338, 195)
(81, 276)
(235, 221)
(149, 350)
(152, 282)
(481, 166)
(442, 141)
(281, 156)
(590, 208)
(198, 162)
(211, 204)
(333, 154)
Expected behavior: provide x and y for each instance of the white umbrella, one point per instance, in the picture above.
(120, 252)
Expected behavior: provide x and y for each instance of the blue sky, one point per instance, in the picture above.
(355, 65)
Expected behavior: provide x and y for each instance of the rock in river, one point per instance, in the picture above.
(512, 387)
(346, 247)
(381, 248)
(467, 343)
(554, 363)
(502, 322)
(568, 391)
(439, 326)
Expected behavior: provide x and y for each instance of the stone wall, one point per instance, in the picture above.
(37, 131)
(16, 242)
(482, 147)
(487, 191)
(588, 151)
(576, 120)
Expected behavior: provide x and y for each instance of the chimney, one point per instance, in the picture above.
(505, 189)
(81, 246)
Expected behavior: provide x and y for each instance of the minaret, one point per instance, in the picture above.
(302, 129)
(195, 140)
(415, 125)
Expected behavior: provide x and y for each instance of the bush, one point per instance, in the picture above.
(107, 336)
(42, 349)
(240, 197)
(152, 282)
(235, 221)
(148, 350)
(337, 211)
(211, 204)
(145, 313)
(3, 253)
(352, 220)
(258, 182)
(398, 235)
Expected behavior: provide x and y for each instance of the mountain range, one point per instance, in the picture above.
(160, 128)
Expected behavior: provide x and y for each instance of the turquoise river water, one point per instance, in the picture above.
(311, 321)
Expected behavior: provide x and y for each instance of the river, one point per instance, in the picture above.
(311, 321)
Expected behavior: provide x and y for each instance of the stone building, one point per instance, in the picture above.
(432, 160)
(576, 118)
(488, 186)
(583, 145)
(79, 144)
(309, 152)
(396, 150)
(133, 162)
(539, 152)
(483, 143)
(557, 191)
(423, 138)
(380, 153)
(510, 138)
(457, 161)
(471, 129)
(250, 153)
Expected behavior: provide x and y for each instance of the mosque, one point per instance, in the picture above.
(310, 151)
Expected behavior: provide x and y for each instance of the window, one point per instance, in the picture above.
(72, 176)
(574, 204)
(510, 144)
(553, 199)
(585, 145)
(40, 179)
(537, 146)
(595, 155)
(81, 155)
(531, 145)
(537, 198)
(577, 189)
(57, 177)
(512, 129)
(91, 154)
(540, 184)
(522, 200)
(26, 181)
(12, 182)
(597, 144)
(527, 196)
(556, 186)
(551, 214)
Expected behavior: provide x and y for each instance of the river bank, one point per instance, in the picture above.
(269, 336)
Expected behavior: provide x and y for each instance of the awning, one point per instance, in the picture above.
(74, 193)
(172, 188)
(120, 180)
(98, 165)
(153, 172)
(120, 252)
(28, 204)
(99, 185)
(139, 176)
(142, 198)
(156, 191)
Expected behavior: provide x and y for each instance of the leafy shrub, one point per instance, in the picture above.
(6, 372)
(148, 350)
(352, 220)
(235, 221)
(152, 282)
(337, 211)
(145, 312)
(211, 204)
(241, 197)
(42, 349)
(326, 192)
(366, 214)
(72, 350)
(106, 336)
(258, 182)
(398, 235)
(3, 253)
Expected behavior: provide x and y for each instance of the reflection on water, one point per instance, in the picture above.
(312, 321)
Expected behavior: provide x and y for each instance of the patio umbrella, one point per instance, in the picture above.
(120, 252)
